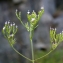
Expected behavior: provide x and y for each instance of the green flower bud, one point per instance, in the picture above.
(54, 45)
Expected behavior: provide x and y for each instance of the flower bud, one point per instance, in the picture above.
(54, 45)
(11, 24)
(3, 28)
(6, 22)
(42, 7)
(28, 12)
(14, 24)
(32, 19)
(55, 29)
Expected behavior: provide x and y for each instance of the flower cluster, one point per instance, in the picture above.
(33, 19)
(55, 38)
(9, 31)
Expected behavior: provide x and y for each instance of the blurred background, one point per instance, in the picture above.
(52, 17)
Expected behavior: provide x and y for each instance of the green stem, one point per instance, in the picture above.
(32, 47)
(43, 56)
(46, 54)
(18, 51)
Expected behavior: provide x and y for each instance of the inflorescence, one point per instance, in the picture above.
(55, 38)
(9, 31)
(33, 19)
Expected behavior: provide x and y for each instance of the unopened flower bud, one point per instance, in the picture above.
(33, 11)
(11, 24)
(55, 29)
(62, 31)
(42, 7)
(28, 12)
(16, 10)
(32, 19)
(54, 45)
(16, 26)
(11, 35)
(6, 22)
(50, 28)
(3, 28)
